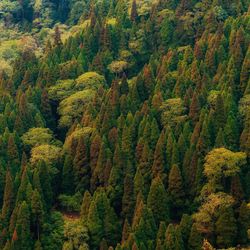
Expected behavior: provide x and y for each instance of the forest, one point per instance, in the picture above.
(124, 124)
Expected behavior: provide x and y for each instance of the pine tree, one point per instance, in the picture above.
(231, 132)
(139, 186)
(46, 110)
(23, 227)
(157, 201)
(22, 190)
(158, 167)
(170, 243)
(125, 231)
(85, 205)
(220, 116)
(124, 88)
(161, 236)
(220, 139)
(8, 198)
(194, 108)
(185, 228)
(45, 180)
(102, 220)
(128, 199)
(81, 166)
(68, 184)
(175, 190)
(226, 228)
(145, 164)
(195, 239)
(13, 155)
(37, 213)
(116, 179)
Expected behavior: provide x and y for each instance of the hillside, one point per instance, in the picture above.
(124, 125)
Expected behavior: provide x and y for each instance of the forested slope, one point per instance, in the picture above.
(124, 124)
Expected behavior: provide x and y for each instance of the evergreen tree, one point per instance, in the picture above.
(68, 176)
(195, 239)
(23, 228)
(85, 205)
(159, 159)
(37, 213)
(185, 228)
(45, 180)
(157, 201)
(226, 228)
(8, 198)
(175, 190)
(81, 166)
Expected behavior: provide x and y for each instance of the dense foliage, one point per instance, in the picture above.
(124, 124)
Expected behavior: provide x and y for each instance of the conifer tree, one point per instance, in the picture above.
(8, 198)
(46, 110)
(231, 132)
(226, 228)
(159, 157)
(23, 227)
(185, 228)
(45, 180)
(37, 213)
(85, 205)
(175, 190)
(68, 175)
(195, 239)
(102, 220)
(125, 231)
(220, 139)
(194, 108)
(170, 241)
(13, 155)
(157, 201)
(161, 236)
(81, 166)
(128, 199)
(220, 116)
(139, 183)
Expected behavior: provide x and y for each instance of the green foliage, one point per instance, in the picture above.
(102, 221)
(70, 203)
(73, 138)
(210, 211)
(118, 66)
(226, 228)
(72, 107)
(53, 232)
(89, 80)
(48, 153)
(62, 90)
(157, 201)
(39, 136)
(222, 163)
(76, 236)
(150, 100)
(173, 112)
